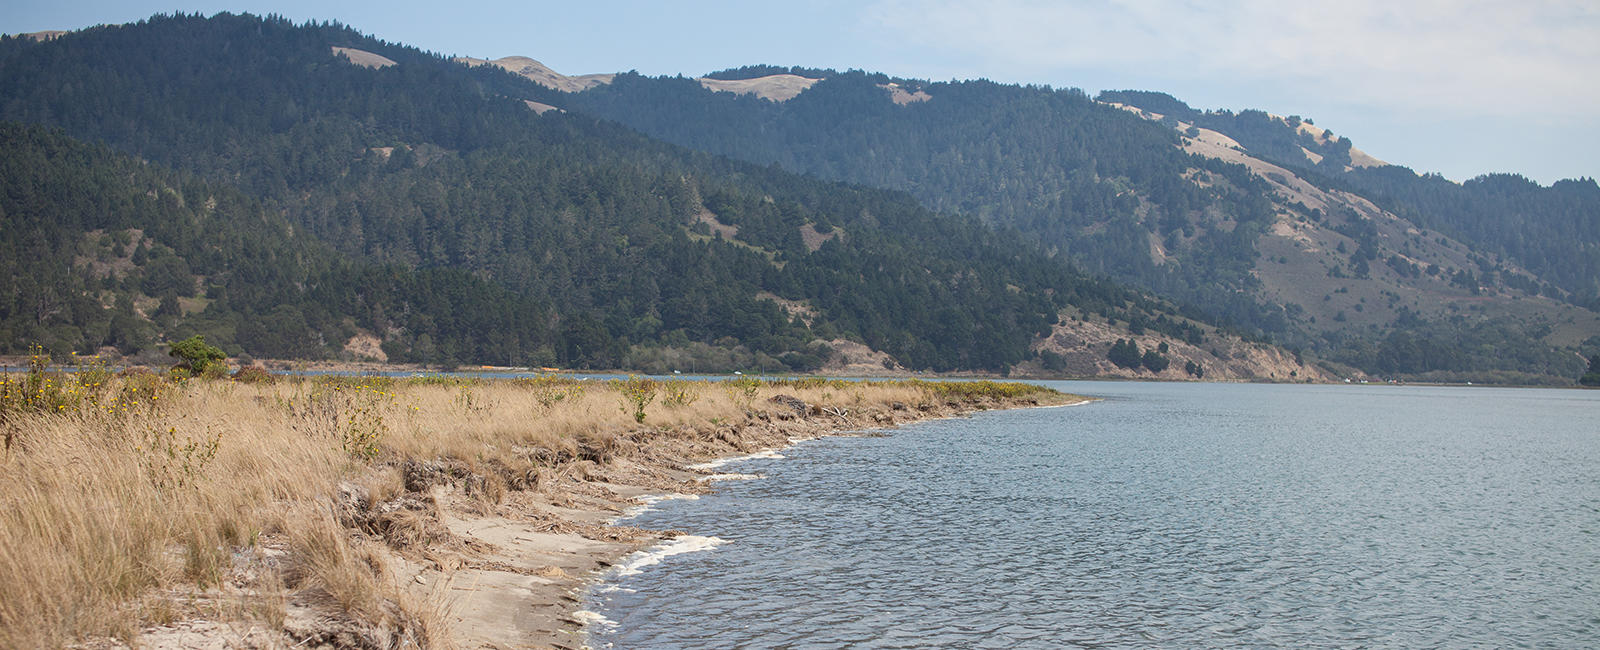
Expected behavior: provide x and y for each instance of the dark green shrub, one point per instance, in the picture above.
(195, 355)
(1154, 361)
(1125, 354)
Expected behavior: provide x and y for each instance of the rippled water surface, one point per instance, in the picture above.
(1181, 515)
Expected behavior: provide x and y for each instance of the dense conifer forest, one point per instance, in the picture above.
(277, 198)
(1088, 180)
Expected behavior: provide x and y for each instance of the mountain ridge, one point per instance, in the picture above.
(776, 87)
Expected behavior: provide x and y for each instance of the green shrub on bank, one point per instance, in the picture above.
(973, 390)
(195, 355)
(680, 392)
(40, 390)
(742, 390)
(637, 393)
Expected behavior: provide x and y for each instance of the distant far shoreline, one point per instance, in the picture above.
(15, 363)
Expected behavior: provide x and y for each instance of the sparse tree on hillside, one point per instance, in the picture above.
(1592, 377)
(1125, 353)
(1154, 361)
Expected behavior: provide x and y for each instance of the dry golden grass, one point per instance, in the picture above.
(116, 490)
(105, 501)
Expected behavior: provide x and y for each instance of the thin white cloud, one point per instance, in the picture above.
(1476, 57)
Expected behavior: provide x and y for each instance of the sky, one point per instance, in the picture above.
(1456, 87)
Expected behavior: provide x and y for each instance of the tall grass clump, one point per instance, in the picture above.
(118, 486)
(350, 413)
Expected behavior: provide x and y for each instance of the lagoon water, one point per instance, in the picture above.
(1175, 515)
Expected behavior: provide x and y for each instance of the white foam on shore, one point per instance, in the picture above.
(734, 459)
(636, 563)
(728, 477)
(648, 502)
(586, 617)
(652, 499)
(1062, 406)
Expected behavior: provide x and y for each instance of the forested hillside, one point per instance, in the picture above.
(104, 250)
(296, 200)
(1087, 179)
(1269, 223)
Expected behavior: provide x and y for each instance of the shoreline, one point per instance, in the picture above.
(666, 546)
(566, 623)
(314, 368)
(376, 511)
(364, 368)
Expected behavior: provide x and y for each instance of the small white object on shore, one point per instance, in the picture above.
(733, 459)
(729, 477)
(677, 546)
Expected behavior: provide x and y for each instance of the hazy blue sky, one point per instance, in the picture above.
(1456, 87)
